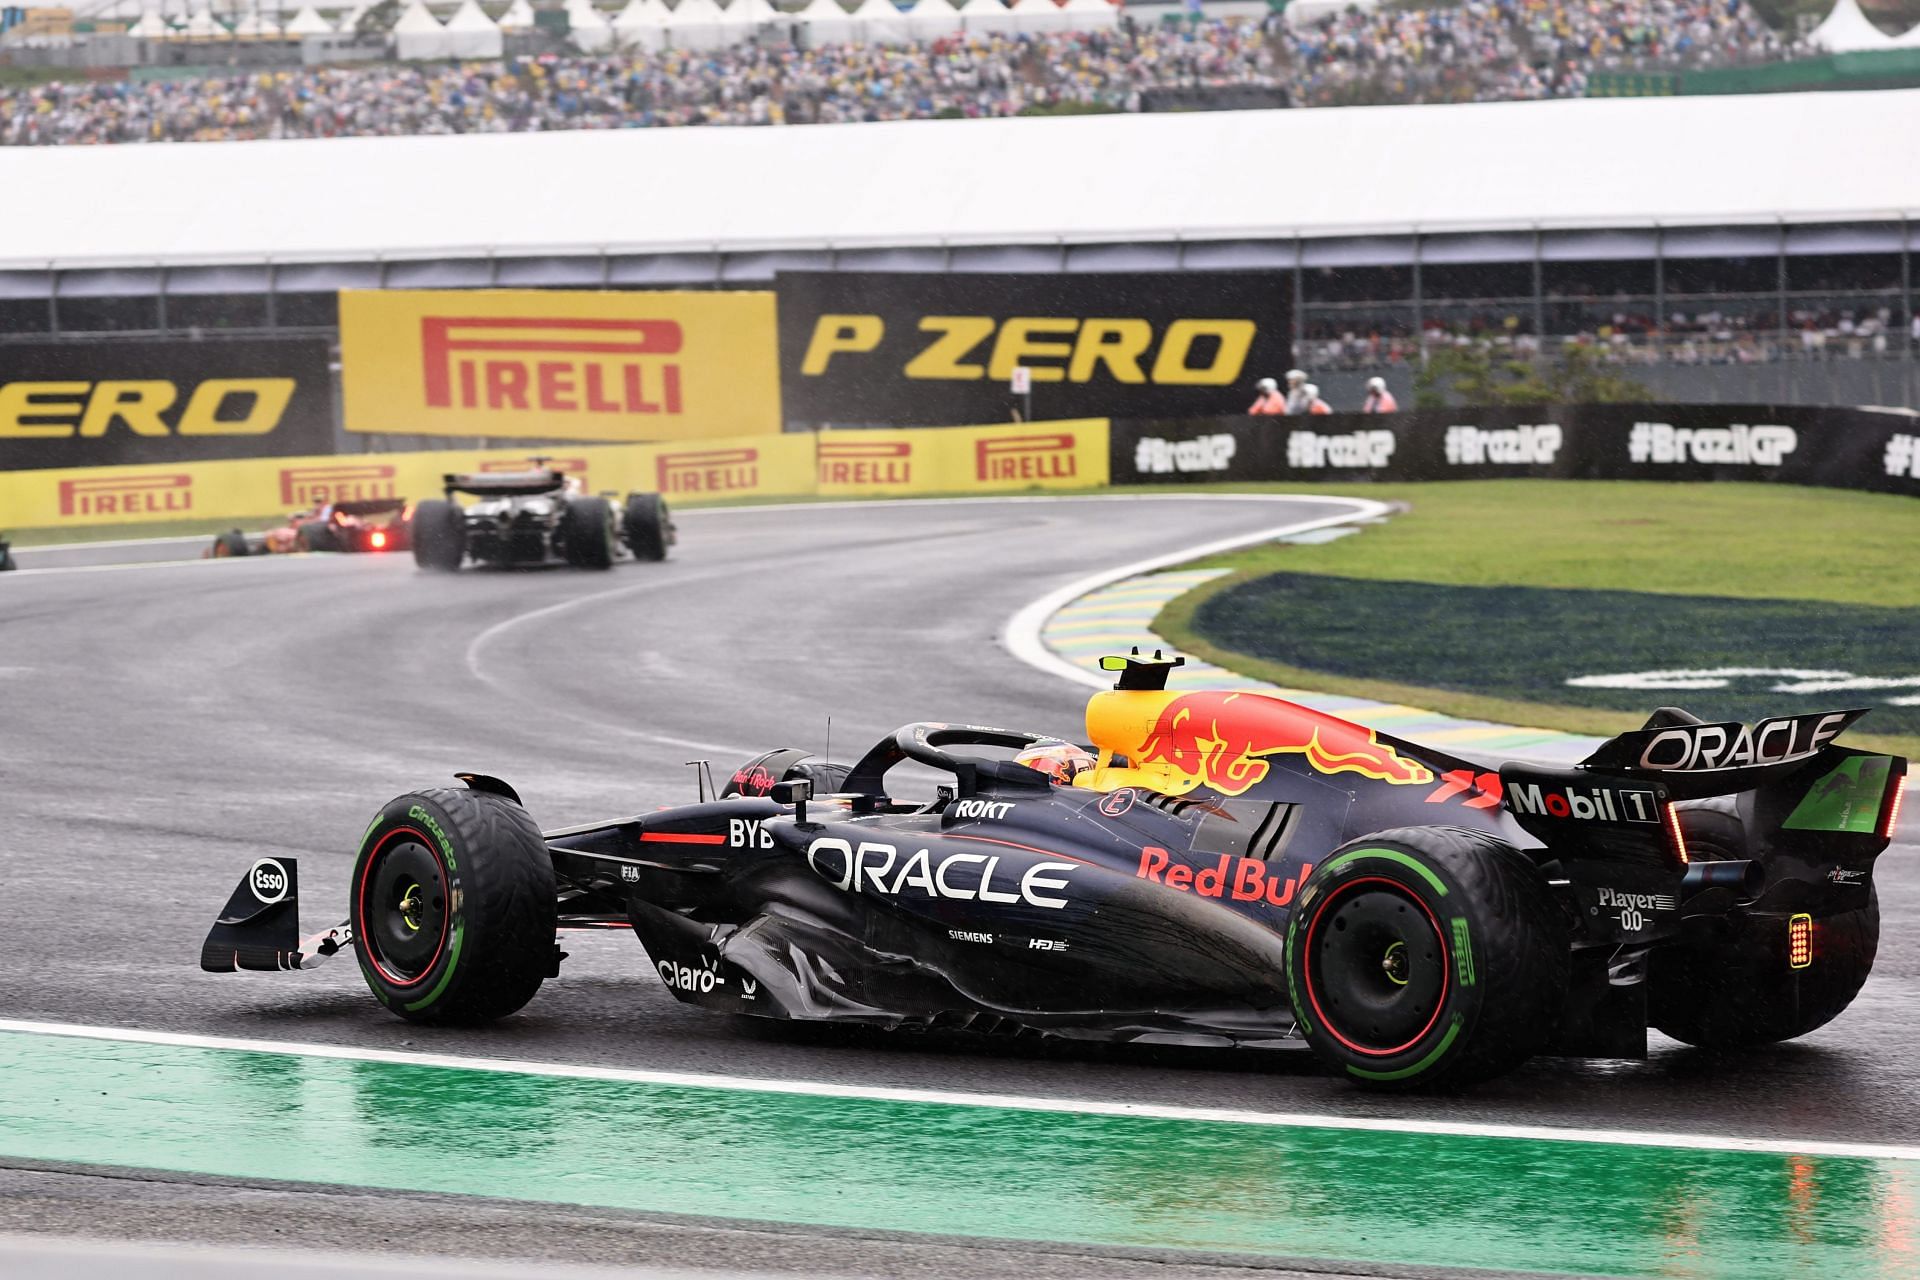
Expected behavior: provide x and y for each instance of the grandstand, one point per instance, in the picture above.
(1739, 248)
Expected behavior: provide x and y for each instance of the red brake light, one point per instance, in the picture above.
(1799, 941)
(1896, 789)
(1678, 840)
(378, 539)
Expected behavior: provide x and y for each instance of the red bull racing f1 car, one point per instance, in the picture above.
(1222, 869)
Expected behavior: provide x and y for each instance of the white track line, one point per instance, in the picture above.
(1022, 634)
(1007, 1102)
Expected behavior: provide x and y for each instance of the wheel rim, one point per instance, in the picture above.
(402, 908)
(1376, 966)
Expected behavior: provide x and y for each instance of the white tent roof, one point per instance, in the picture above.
(351, 19)
(1846, 30)
(417, 18)
(518, 17)
(1908, 39)
(757, 12)
(150, 24)
(581, 13)
(255, 25)
(1579, 163)
(696, 13)
(884, 10)
(308, 23)
(200, 23)
(641, 13)
(982, 8)
(470, 17)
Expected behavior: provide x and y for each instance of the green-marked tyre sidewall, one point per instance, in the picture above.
(421, 998)
(1430, 1055)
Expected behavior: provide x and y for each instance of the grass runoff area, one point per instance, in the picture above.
(1485, 599)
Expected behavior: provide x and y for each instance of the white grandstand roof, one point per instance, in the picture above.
(1243, 175)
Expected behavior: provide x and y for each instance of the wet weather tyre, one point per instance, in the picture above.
(316, 537)
(439, 535)
(231, 543)
(1426, 957)
(586, 533)
(649, 526)
(453, 908)
(1741, 990)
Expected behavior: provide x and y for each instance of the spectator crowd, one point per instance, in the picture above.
(1479, 50)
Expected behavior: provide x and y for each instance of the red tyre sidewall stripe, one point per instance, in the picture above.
(370, 951)
(1306, 964)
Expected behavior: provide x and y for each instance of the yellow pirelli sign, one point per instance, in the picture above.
(557, 365)
(749, 467)
(1070, 454)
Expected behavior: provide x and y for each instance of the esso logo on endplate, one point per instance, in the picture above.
(268, 880)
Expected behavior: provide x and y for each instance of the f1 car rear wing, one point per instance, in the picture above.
(1622, 795)
(364, 507)
(506, 484)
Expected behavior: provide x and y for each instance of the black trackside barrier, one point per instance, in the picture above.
(907, 349)
(1790, 444)
(108, 404)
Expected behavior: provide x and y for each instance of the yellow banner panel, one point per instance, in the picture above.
(1070, 454)
(250, 488)
(559, 365)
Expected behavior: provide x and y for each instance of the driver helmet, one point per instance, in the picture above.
(1060, 761)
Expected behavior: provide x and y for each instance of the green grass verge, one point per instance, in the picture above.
(1742, 540)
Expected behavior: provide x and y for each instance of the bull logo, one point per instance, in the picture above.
(1224, 740)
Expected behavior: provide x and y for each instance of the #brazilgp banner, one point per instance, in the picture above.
(1792, 444)
(130, 403)
(902, 349)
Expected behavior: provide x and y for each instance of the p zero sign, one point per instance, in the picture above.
(900, 349)
(531, 364)
(118, 404)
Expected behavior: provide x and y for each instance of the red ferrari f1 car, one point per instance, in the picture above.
(372, 524)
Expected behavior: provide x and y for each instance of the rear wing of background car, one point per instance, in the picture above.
(364, 507)
(1794, 786)
(506, 484)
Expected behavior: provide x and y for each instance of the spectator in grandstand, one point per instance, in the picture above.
(1378, 398)
(1314, 403)
(1298, 397)
(1269, 400)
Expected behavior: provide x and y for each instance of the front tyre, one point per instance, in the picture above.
(453, 906)
(1426, 956)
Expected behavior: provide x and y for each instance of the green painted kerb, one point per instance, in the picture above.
(970, 1171)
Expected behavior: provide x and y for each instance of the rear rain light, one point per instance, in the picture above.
(379, 540)
(1799, 941)
(1674, 837)
(1895, 791)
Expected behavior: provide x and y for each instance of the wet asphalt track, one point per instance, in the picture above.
(160, 727)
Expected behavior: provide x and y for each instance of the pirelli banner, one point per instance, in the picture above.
(1028, 455)
(1004, 459)
(1832, 448)
(555, 365)
(106, 403)
(750, 467)
(867, 349)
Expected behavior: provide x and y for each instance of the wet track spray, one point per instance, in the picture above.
(165, 725)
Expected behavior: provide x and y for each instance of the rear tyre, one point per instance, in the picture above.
(649, 526)
(231, 543)
(316, 537)
(1426, 956)
(453, 906)
(439, 535)
(1741, 991)
(586, 533)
